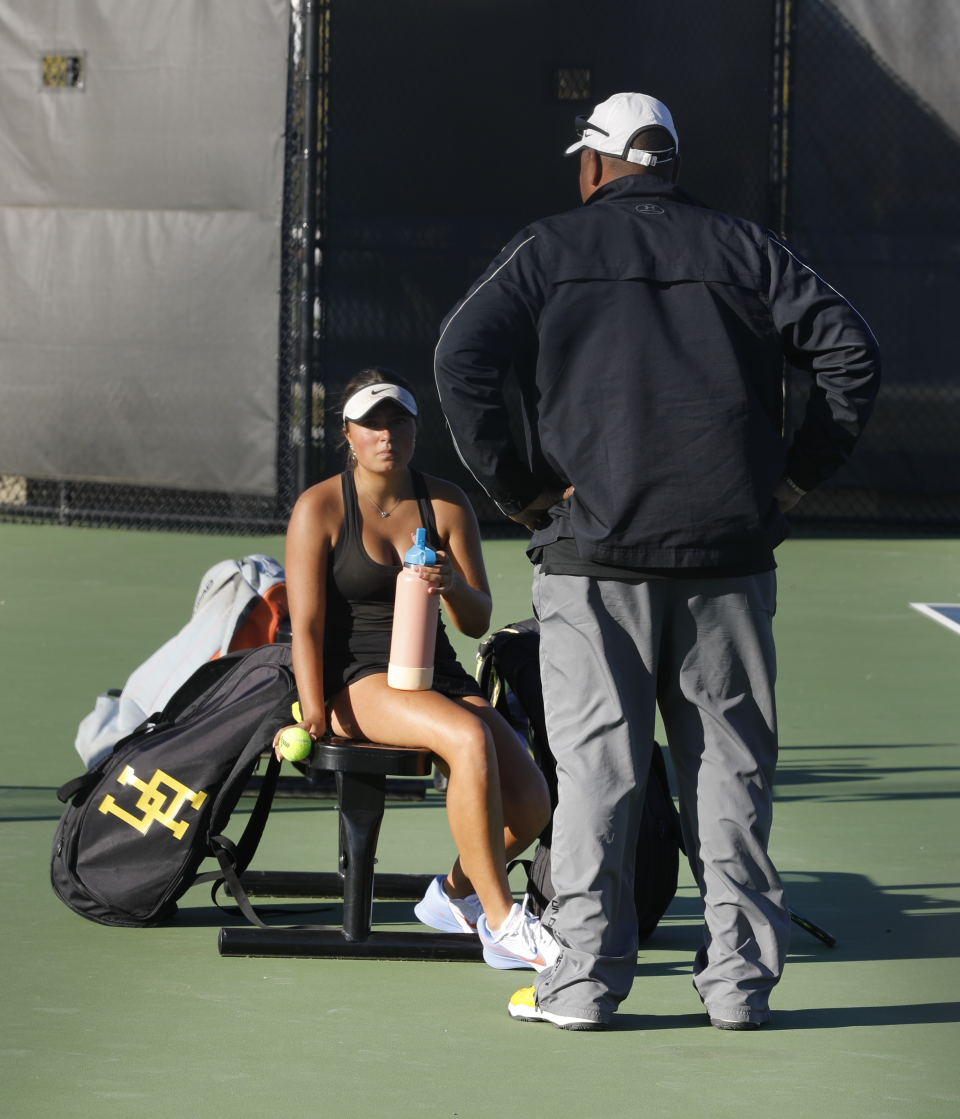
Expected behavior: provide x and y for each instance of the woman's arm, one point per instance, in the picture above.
(459, 576)
(308, 547)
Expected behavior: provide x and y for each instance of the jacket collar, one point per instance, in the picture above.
(641, 186)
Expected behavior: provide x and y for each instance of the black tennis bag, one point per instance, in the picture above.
(141, 822)
(509, 674)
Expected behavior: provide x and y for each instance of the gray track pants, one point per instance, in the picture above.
(703, 649)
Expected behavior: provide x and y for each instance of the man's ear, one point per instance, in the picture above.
(594, 165)
(591, 172)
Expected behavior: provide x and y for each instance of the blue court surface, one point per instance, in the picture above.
(946, 613)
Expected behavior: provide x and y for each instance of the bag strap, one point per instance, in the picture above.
(78, 784)
(240, 854)
(228, 858)
(234, 858)
(253, 832)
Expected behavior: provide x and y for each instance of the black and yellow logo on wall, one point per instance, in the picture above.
(154, 803)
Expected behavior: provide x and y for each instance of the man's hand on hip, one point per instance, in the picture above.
(787, 494)
(531, 516)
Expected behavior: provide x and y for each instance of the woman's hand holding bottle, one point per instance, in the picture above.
(442, 578)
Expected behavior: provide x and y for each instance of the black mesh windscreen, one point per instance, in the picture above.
(875, 207)
(448, 128)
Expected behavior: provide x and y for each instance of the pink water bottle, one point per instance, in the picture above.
(415, 613)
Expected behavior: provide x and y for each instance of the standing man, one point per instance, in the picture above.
(648, 334)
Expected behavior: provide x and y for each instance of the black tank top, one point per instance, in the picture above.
(360, 599)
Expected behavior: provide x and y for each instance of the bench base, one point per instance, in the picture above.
(360, 770)
(318, 944)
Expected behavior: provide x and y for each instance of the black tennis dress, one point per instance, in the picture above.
(360, 598)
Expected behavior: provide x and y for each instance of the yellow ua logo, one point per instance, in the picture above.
(151, 802)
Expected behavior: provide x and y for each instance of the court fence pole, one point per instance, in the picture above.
(308, 262)
(778, 182)
(784, 33)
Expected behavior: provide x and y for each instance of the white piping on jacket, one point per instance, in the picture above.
(803, 264)
(436, 380)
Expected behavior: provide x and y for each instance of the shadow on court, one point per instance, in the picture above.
(191, 915)
(19, 803)
(821, 1018)
(847, 765)
(39, 802)
(870, 922)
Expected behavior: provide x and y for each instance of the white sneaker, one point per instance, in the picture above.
(520, 942)
(440, 911)
(467, 912)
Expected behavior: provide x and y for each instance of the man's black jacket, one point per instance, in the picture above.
(647, 333)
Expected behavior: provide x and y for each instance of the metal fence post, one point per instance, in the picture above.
(779, 177)
(312, 15)
(781, 84)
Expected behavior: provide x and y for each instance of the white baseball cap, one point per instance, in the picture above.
(615, 123)
(367, 398)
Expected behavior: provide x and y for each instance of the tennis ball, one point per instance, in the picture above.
(295, 744)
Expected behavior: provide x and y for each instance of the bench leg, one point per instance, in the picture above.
(361, 800)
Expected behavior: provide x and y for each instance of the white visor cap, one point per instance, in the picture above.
(614, 124)
(367, 398)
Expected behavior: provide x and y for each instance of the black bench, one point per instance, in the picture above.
(361, 769)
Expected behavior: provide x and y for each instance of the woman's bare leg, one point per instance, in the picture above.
(463, 739)
(523, 791)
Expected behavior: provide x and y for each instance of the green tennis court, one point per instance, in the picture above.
(102, 1022)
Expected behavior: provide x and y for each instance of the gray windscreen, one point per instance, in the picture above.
(141, 181)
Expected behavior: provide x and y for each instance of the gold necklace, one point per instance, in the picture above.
(372, 502)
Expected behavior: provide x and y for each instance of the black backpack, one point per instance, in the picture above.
(142, 820)
(509, 674)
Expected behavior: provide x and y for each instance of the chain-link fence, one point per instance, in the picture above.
(441, 135)
(448, 128)
(874, 204)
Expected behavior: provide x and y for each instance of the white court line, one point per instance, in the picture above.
(932, 610)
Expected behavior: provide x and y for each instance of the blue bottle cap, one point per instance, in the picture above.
(420, 553)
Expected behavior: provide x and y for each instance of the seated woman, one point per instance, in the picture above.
(345, 544)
